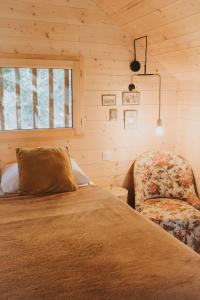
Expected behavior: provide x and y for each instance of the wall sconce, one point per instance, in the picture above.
(135, 64)
(135, 67)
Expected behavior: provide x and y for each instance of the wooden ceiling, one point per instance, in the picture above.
(172, 26)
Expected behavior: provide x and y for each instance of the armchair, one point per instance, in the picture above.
(165, 192)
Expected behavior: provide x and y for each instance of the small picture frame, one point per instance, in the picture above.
(131, 98)
(113, 114)
(130, 119)
(108, 100)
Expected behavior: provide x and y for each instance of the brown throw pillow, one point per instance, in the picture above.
(44, 170)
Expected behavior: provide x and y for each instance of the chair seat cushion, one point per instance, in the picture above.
(175, 216)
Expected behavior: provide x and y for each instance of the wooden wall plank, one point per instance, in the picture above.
(139, 10)
(51, 100)
(175, 29)
(55, 31)
(63, 49)
(172, 46)
(35, 98)
(17, 94)
(87, 4)
(39, 29)
(120, 83)
(94, 66)
(66, 107)
(104, 33)
(114, 6)
(27, 10)
(2, 121)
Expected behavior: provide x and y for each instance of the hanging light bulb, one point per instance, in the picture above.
(159, 130)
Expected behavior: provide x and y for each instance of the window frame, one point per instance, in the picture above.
(77, 93)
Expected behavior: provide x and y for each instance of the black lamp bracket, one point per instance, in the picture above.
(159, 90)
(135, 60)
(135, 67)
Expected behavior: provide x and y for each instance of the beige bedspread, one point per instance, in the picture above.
(88, 245)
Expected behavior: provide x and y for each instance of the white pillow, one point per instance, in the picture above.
(10, 177)
(80, 177)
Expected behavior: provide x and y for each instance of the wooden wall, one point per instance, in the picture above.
(58, 29)
(173, 30)
(172, 26)
(188, 124)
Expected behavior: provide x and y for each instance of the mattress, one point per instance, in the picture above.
(90, 245)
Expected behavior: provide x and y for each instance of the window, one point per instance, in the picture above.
(36, 98)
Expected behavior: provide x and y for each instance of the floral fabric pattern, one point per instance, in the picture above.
(177, 217)
(163, 175)
(165, 193)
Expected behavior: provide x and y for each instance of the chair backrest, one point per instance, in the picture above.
(162, 174)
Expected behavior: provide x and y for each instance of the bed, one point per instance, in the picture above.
(87, 245)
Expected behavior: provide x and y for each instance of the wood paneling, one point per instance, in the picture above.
(173, 29)
(87, 4)
(188, 123)
(38, 11)
(60, 29)
(113, 6)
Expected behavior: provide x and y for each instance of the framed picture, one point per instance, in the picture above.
(130, 119)
(112, 114)
(108, 100)
(130, 98)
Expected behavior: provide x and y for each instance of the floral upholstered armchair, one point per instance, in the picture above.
(165, 193)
